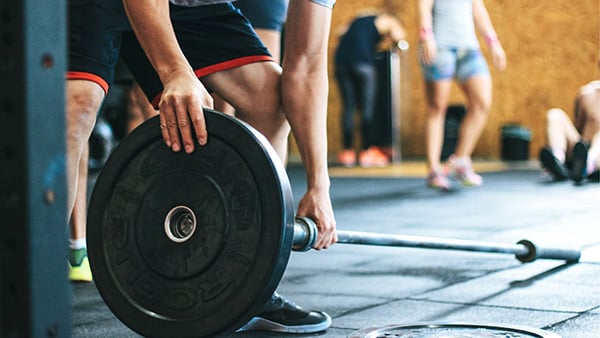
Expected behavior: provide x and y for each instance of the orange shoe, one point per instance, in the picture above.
(372, 157)
(347, 158)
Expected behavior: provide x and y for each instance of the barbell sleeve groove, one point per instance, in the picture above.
(305, 234)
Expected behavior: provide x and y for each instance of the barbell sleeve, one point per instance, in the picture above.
(305, 235)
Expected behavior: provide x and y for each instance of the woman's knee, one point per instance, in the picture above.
(480, 105)
(436, 110)
(556, 116)
(593, 122)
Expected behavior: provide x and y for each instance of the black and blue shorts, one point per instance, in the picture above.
(212, 37)
(265, 14)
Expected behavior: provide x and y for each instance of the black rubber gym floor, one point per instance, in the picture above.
(367, 286)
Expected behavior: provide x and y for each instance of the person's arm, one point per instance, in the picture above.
(183, 96)
(484, 25)
(428, 44)
(391, 29)
(304, 95)
(580, 109)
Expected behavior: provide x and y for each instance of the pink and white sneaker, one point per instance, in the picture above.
(437, 180)
(463, 171)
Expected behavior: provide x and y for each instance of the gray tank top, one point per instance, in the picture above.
(453, 25)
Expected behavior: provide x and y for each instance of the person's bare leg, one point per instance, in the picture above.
(594, 152)
(140, 100)
(272, 40)
(254, 90)
(561, 133)
(135, 113)
(78, 216)
(589, 105)
(83, 101)
(437, 94)
(478, 90)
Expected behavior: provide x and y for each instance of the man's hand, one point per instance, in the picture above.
(181, 113)
(316, 204)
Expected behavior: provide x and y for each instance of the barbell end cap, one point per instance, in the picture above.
(402, 45)
(535, 252)
(305, 234)
(531, 254)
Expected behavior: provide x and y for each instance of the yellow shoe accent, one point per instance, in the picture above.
(82, 272)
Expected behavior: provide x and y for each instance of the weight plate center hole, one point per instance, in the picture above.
(180, 224)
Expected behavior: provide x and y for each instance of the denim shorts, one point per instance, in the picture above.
(461, 64)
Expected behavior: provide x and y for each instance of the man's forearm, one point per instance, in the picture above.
(305, 85)
(151, 22)
(305, 107)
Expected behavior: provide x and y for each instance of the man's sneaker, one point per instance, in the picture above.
(79, 266)
(372, 157)
(463, 171)
(437, 180)
(557, 170)
(347, 158)
(579, 167)
(282, 315)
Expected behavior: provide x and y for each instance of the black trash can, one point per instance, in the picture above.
(454, 115)
(515, 142)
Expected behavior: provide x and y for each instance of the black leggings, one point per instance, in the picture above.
(358, 86)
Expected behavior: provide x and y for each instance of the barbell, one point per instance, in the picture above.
(193, 245)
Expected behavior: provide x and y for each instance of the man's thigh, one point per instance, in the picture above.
(214, 39)
(251, 88)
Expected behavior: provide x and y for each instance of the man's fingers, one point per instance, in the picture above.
(169, 127)
(179, 120)
(196, 115)
(183, 124)
(327, 236)
(200, 129)
(163, 129)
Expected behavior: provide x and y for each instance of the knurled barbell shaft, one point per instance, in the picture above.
(305, 234)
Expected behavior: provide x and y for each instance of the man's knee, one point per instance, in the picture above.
(267, 108)
(83, 103)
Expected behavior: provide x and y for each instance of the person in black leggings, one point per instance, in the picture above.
(356, 76)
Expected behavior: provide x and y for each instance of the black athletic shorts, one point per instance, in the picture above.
(212, 37)
(266, 14)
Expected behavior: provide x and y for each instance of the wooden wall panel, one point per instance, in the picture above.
(552, 48)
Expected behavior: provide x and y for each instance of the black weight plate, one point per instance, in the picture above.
(216, 280)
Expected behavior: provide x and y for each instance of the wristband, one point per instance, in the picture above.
(490, 39)
(425, 34)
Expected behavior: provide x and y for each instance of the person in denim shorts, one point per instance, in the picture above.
(449, 50)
